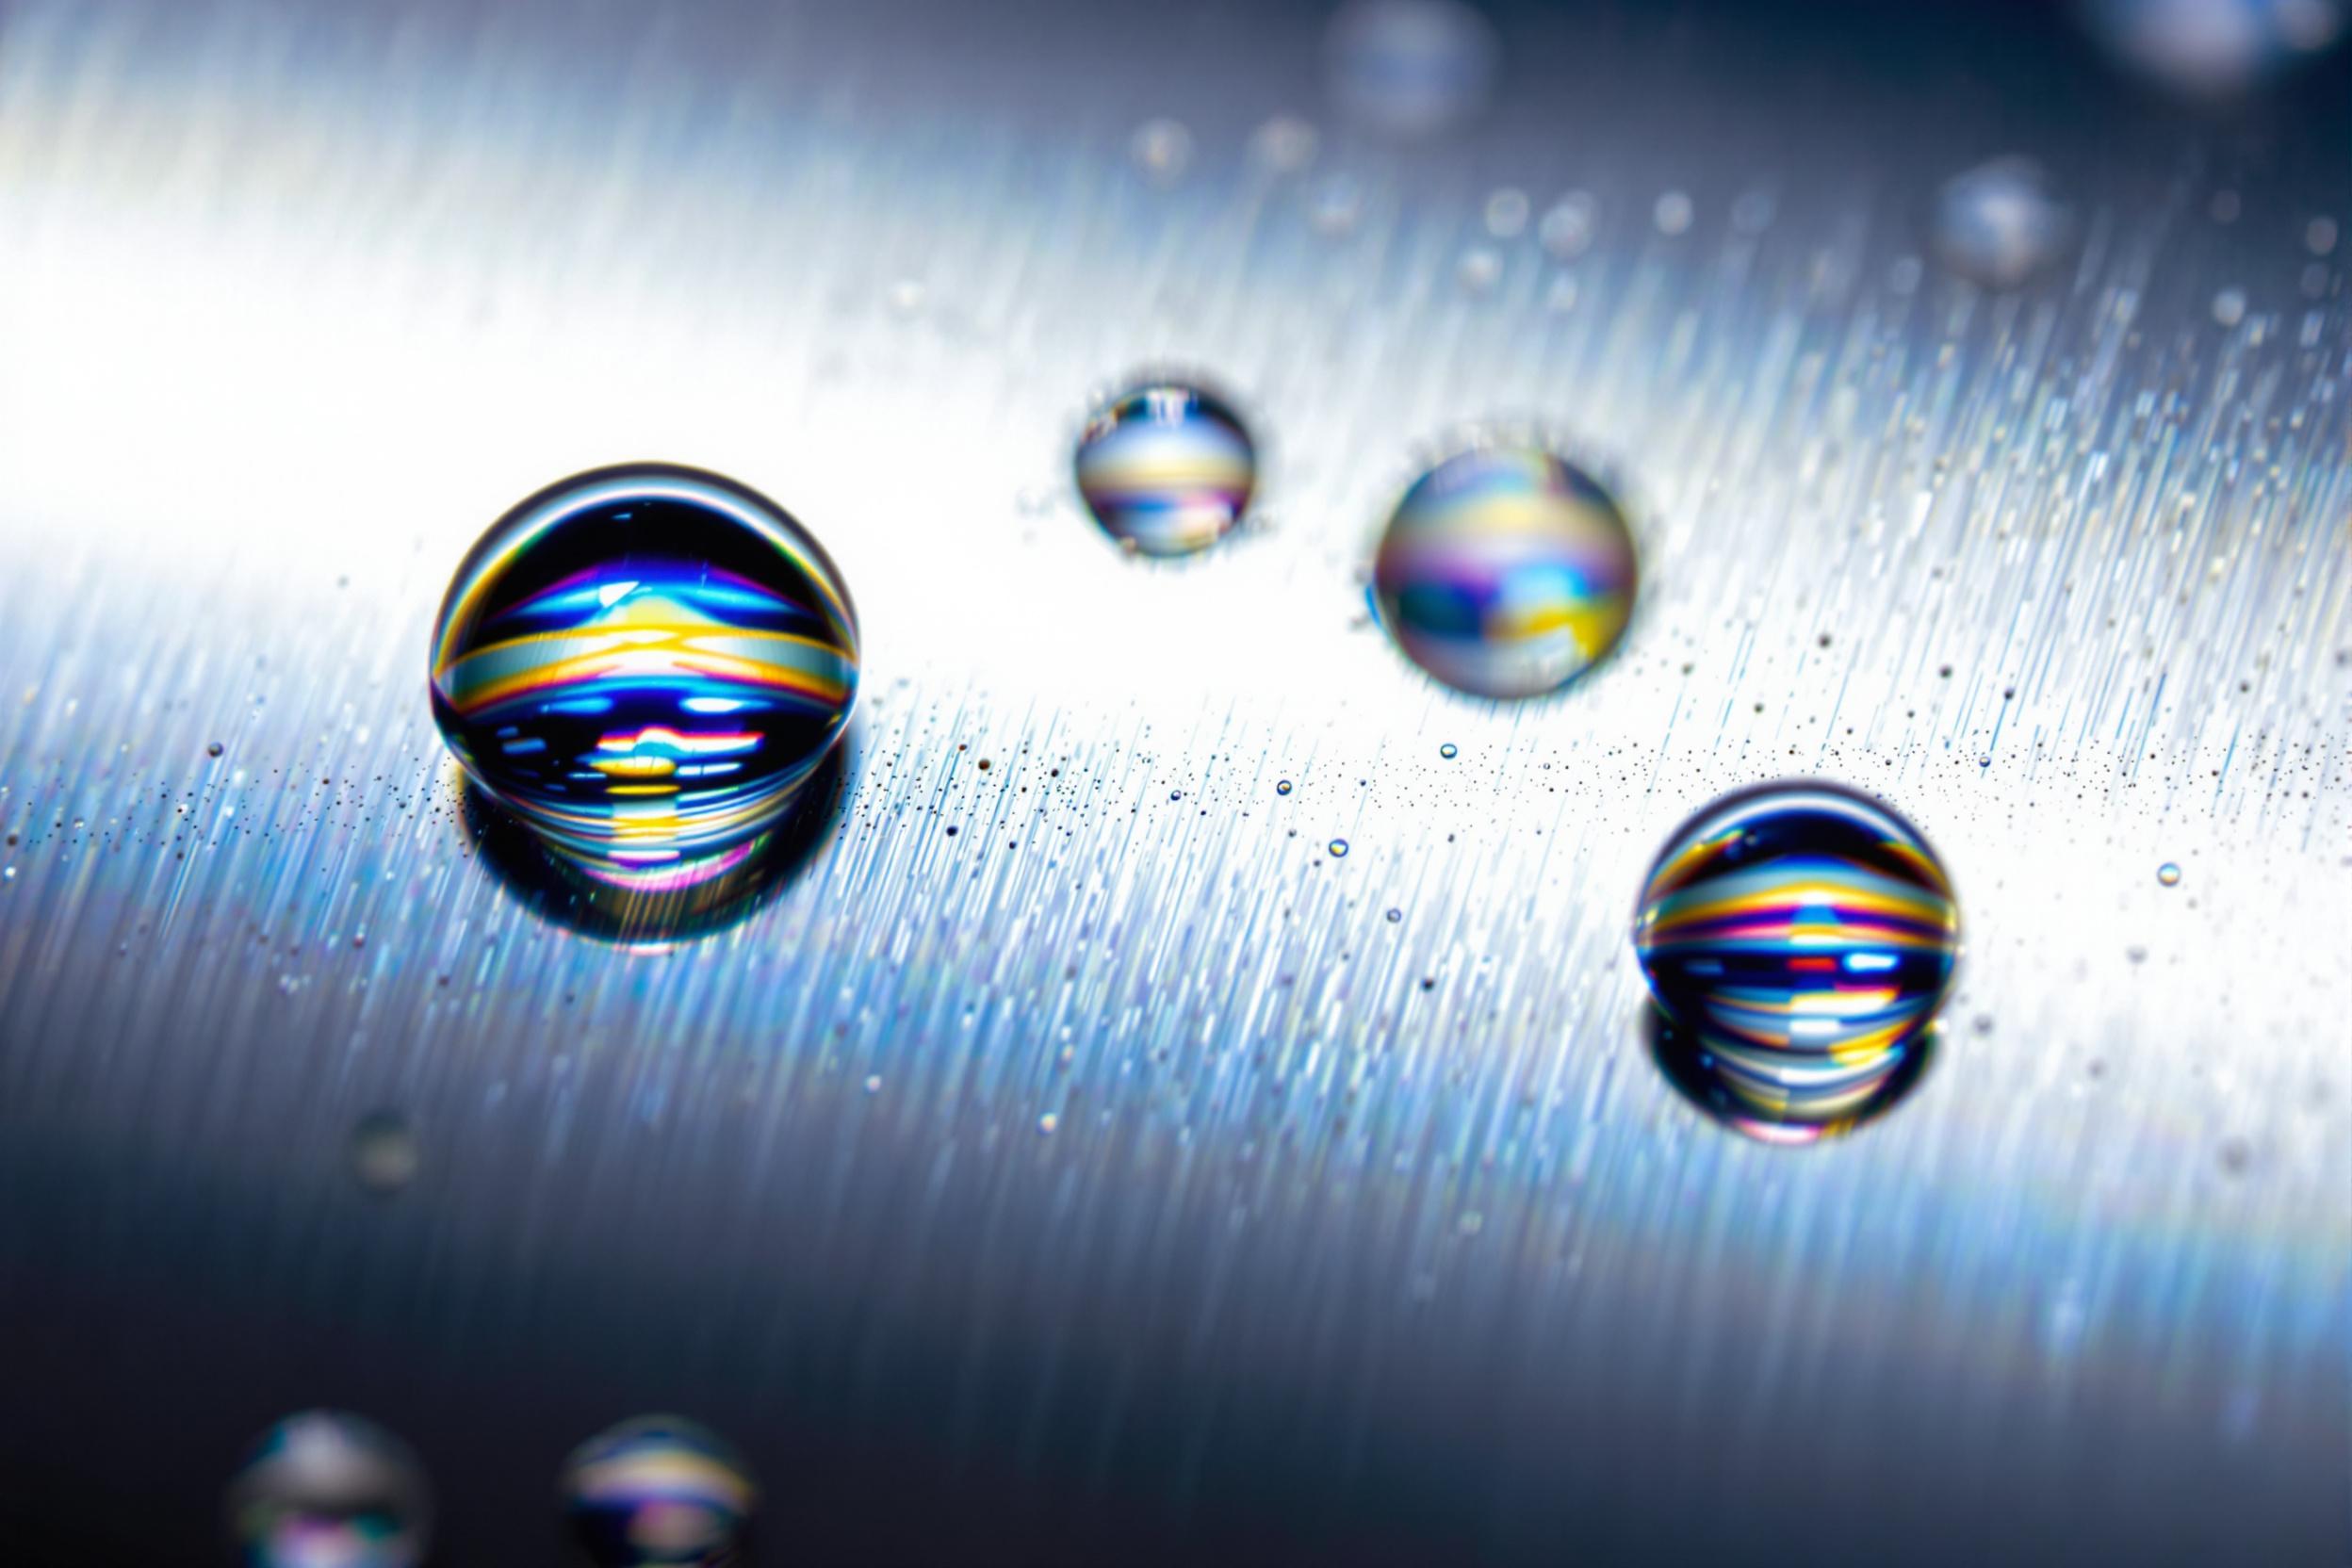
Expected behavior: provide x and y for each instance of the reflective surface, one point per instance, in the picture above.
(1352, 1241)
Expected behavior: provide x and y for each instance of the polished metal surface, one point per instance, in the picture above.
(1073, 1158)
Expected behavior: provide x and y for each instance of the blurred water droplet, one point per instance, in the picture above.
(1410, 68)
(657, 1490)
(1674, 213)
(2135, 954)
(1166, 470)
(2230, 306)
(1339, 849)
(383, 1152)
(1568, 226)
(2319, 236)
(1478, 270)
(2212, 49)
(1396, 915)
(326, 1487)
(1507, 213)
(1162, 149)
(1285, 144)
(214, 749)
(2169, 875)
(2001, 224)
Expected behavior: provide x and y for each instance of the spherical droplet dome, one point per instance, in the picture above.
(1800, 937)
(658, 1489)
(644, 665)
(1506, 571)
(327, 1487)
(1166, 469)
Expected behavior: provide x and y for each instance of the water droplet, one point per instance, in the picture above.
(2169, 875)
(1478, 270)
(1162, 149)
(2001, 224)
(1515, 624)
(1450, 751)
(1984, 760)
(383, 1152)
(1674, 213)
(1281, 786)
(1568, 226)
(215, 749)
(2212, 49)
(1166, 469)
(2135, 954)
(2229, 307)
(907, 297)
(1339, 849)
(1507, 213)
(1047, 1123)
(1285, 144)
(873, 1084)
(327, 1487)
(1396, 915)
(574, 674)
(1410, 68)
(658, 1489)
(1803, 1033)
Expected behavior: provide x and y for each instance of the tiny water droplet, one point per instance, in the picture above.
(214, 750)
(1450, 751)
(2169, 875)
(1048, 1122)
(1674, 213)
(1567, 228)
(2229, 307)
(1339, 849)
(1507, 213)
(1162, 149)
(1396, 915)
(1281, 786)
(383, 1152)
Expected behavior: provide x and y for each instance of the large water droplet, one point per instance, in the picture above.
(1797, 939)
(325, 1487)
(2001, 224)
(658, 1489)
(645, 665)
(1506, 571)
(1166, 469)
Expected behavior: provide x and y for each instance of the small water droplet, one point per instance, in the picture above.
(873, 1084)
(1984, 760)
(1162, 149)
(215, 749)
(383, 1152)
(2001, 224)
(2229, 307)
(1450, 751)
(1047, 1123)
(1673, 212)
(1339, 849)
(1166, 469)
(2169, 875)
(2319, 236)
(1507, 213)
(1281, 786)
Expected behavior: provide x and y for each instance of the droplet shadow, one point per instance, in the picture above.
(1771, 1107)
(564, 894)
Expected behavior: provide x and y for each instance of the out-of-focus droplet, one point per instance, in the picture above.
(2319, 236)
(658, 1490)
(326, 1488)
(1166, 469)
(1285, 144)
(1162, 149)
(2229, 307)
(2213, 49)
(1478, 270)
(1395, 916)
(1335, 206)
(1674, 213)
(1338, 848)
(1410, 68)
(215, 749)
(643, 666)
(1799, 937)
(2169, 875)
(2002, 223)
(383, 1152)
(1762, 1095)
(1506, 571)
(1568, 225)
(1507, 213)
